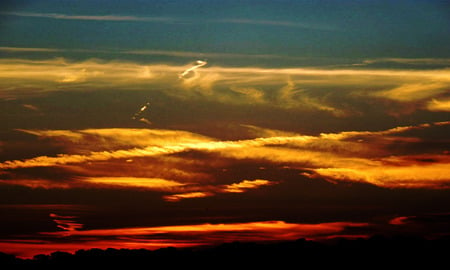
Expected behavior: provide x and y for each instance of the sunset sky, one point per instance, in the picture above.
(146, 124)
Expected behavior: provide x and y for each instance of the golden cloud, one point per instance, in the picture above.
(188, 195)
(414, 91)
(287, 88)
(361, 156)
(245, 185)
(439, 105)
(148, 183)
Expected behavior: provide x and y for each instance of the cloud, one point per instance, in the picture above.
(177, 236)
(408, 61)
(190, 70)
(435, 225)
(246, 184)
(279, 230)
(359, 156)
(148, 183)
(438, 105)
(31, 107)
(336, 91)
(38, 183)
(414, 91)
(116, 18)
(112, 138)
(434, 176)
(23, 49)
(123, 18)
(398, 220)
(188, 195)
(314, 26)
(66, 223)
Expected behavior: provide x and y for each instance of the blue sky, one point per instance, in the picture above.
(292, 28)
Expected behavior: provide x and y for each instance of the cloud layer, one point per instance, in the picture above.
(183, 165)
(177, 236)
(302, 89)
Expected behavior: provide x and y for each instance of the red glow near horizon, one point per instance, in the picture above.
(174, 236)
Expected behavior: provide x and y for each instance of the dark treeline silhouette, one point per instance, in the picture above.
(377, 251)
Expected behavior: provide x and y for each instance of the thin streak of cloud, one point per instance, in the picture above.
(22, 49)
(414, 91)
(279, 230)
(66, 223)
(246, 184)
(31, 107)
(409, 61)
(190, 54)
(433, 176)
(398, 220)
(291, 24)
(59, 16)
(139, 182)
(188, 195)
(124, 18)
(198, 64)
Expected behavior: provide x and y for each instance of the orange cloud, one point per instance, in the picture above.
(38, 183)
(148, 183)
(282, 229)
(439, 105)
(414, 91)
(188, 195)
(246, 184)
(398, 220)
(110, 138)
(393, 176)
(361, 156)
(66, 223)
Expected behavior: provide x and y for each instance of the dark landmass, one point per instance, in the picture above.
(377, 251)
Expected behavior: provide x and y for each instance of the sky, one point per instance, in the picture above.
(147, 124)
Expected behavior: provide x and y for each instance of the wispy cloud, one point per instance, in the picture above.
(359, 156)
(22, 49)
(280, 23)
(59, 16)
(413, 92)
(125, 18)
(188, 195)
(31, 107)
(148, 183)
(408, 61)
(285, 88)
(246, 184)
(66, 223)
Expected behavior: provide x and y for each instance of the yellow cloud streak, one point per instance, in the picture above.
(414, 91)
(188, 195)
(280, 228)
(246, 184)
(409, 176)
(395, 84)
(148, 183)
(293, 149)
